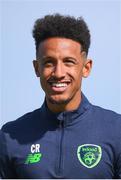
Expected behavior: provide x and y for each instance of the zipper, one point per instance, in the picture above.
(61, 129)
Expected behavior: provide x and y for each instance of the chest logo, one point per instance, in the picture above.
(89, 155)
(35, 155)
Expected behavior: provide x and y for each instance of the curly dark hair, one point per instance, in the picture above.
(57, 25)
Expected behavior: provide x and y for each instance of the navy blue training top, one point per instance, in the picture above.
(84, 143)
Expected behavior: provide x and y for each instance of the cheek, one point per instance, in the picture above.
(45, 73)
(76, 73)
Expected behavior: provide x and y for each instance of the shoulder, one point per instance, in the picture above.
(2, 138)
(22, 123)
(106, 115)
(106, 112)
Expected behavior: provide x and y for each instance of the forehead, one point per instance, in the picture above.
(56, 44)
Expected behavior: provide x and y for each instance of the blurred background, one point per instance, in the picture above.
(20, 91)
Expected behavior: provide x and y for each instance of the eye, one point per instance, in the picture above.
(47, 63)
(70, 61)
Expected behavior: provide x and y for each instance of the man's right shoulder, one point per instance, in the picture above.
(21, 122)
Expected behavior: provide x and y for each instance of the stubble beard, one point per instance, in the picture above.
(60, 102)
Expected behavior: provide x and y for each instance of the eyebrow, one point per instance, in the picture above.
(68, 57)
(47, 57)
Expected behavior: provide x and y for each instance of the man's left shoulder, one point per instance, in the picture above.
(106, 113)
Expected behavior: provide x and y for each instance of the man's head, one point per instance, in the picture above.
(62, 44)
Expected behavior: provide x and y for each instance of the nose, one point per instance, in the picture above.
(59, 71)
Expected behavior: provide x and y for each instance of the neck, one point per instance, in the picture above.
(73, 104)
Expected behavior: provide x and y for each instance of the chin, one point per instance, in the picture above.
(59, 101)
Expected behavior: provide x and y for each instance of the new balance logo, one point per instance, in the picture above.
(33, 158)
(35, 155)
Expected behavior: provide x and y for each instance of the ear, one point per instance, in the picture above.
(87, 68)
(36, 67)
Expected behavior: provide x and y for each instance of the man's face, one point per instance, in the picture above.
(61, 65)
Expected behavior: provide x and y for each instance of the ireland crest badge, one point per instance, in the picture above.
(89, 155)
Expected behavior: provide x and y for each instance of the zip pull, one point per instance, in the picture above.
(61, 124)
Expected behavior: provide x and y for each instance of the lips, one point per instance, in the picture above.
(59, 86)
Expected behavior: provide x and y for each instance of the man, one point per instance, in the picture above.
(67, 137)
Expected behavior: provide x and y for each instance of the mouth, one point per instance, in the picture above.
(59, 86)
